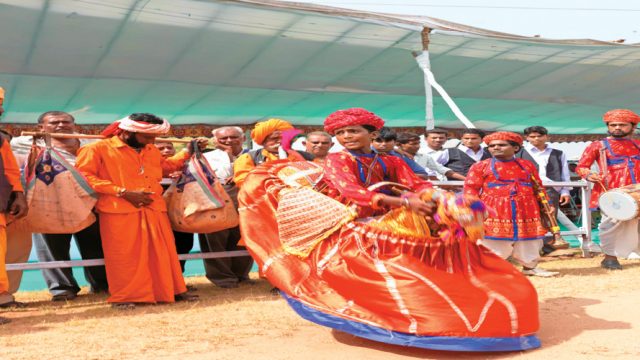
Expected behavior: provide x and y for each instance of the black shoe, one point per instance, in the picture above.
(611, 264)
(64, 297)
(274, 291)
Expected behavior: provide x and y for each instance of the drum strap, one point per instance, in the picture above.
(617, 159)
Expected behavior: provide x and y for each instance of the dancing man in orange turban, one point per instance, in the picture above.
(268, 134)
(618, 157)
(12, 201)
(139, 249)
(504, 183)
(348, 251)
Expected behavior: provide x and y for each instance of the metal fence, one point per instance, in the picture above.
(583, 234)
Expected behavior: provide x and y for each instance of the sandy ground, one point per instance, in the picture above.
(587, 313)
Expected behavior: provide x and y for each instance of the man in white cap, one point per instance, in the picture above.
(139, 250)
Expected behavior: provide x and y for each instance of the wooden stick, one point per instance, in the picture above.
(85, 136)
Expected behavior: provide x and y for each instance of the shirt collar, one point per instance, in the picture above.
(534, 149)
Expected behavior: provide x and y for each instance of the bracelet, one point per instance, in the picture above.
(121, 192)
(405, 202)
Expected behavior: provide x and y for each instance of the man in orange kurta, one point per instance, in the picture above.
(12, 200)
(139, 249)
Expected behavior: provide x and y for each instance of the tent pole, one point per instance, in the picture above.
(430, 120)
(430, 82)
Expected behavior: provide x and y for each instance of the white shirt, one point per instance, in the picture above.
(476, 156)
(542, 158)
(21, 146)
(221, 164)
(431, 166)
(440, 157)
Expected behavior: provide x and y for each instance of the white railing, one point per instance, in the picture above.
(583, 232)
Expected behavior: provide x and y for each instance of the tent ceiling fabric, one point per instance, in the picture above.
(236, 62)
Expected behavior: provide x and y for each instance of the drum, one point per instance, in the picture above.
(622, 203)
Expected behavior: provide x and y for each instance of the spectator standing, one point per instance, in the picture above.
(56, 247)
(468, 152)
(231, 271)
(318, 144)
(183, 240)
(140, 253)
(552, 165)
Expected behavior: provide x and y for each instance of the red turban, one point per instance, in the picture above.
(289, 137)
(503, 135)
(621, 115)
(351, 117)
(266, 128)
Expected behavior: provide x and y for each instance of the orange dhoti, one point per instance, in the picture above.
(140, 257)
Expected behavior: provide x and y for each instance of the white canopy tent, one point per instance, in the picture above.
(239, 61)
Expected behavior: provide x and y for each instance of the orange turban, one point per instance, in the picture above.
(621, 115)
(503, 135)
(1, 96)
(351, 117)
(266, 128)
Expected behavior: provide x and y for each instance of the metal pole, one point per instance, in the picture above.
(98, 262)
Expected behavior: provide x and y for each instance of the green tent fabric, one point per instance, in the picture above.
(237, 62)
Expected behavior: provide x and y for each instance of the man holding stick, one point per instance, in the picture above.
(618, 157)
(506, 185)
(56, 247)
(126, 170)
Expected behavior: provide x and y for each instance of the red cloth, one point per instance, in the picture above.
(415, 285)
(503, 135)
(351, 117)
(621, 115)
(505, 187)
(342, 173)
(623, 164)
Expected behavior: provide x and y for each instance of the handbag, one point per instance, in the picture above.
(60, 199)
(197, 202)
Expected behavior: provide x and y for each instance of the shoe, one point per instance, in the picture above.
(191, 288)
(186, 297)
(13, 304)
(274, 291)
(123, 306)
(539, 272)
(633, 256)
(4, 320)
(64, 297)
(611, 264)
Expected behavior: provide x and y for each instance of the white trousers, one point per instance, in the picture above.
(619, 238)
(526, 253)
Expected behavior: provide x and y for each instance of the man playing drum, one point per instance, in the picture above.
(618, 157)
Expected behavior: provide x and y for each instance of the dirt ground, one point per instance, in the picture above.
(587, 313)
